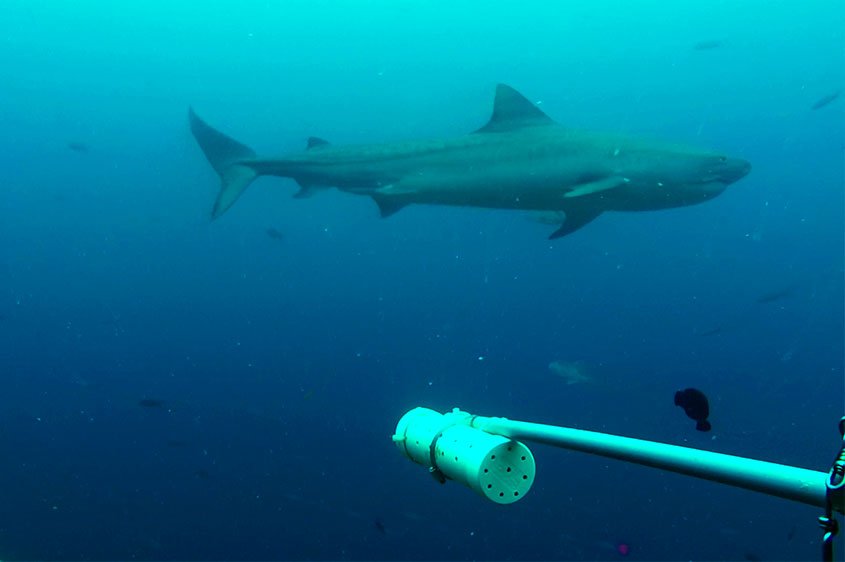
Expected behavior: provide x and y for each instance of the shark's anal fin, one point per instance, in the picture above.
(314, 142)
(596, 186)
(307, 185)
(387, 204)
(575, 219)
(306, 189)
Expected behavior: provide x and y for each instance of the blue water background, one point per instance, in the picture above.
(284, 364)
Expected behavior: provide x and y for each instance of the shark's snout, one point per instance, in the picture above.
(734, 169)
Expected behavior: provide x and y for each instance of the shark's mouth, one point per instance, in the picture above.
(714, 179)
(710, 189)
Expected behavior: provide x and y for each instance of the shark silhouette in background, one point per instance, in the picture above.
(521, 159)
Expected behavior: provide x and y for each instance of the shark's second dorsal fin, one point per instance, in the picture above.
(512, 110)
(314, 142)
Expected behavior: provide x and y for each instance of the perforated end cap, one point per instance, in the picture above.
(507, 473)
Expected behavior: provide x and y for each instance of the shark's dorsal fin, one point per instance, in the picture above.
(316, 141)
(512, 110)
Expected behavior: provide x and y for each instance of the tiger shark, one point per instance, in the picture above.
(520, 159)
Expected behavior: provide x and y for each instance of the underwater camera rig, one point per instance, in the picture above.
(486, 455)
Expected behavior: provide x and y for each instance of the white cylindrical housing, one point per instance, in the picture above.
(496, 467)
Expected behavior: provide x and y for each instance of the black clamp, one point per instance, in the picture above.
(835, 488)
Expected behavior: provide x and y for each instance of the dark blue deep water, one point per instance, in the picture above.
(284, 340)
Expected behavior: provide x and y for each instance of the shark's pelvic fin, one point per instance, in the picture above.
(314, 142)
(596, 186)
(575, 219)
(228, 158)
(512, 110)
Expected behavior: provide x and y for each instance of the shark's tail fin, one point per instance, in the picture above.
(228, 157)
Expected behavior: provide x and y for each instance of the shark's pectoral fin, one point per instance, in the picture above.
(575, 219)
(387, 204)
(596, 186)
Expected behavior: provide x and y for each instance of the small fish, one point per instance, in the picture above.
(177, 443)
(706, 45)
(573, 372)
(380, 526)
(275, 234)
(712, 331)
(151, 403)
(696, 407)
(826, 100)
(775, 296)
(751, 557)
(791, 534)
(202, 474)
(77, 146)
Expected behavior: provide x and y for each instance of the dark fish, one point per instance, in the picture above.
(275, 234)
(751, 557)
(826, 100)
(76, 146)
(696, 407)
(202, 474)
(775, 296)
(707, 45)
(791, 534)
(177, 443)
(380, 526)
(151, 403)
(711, 331)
